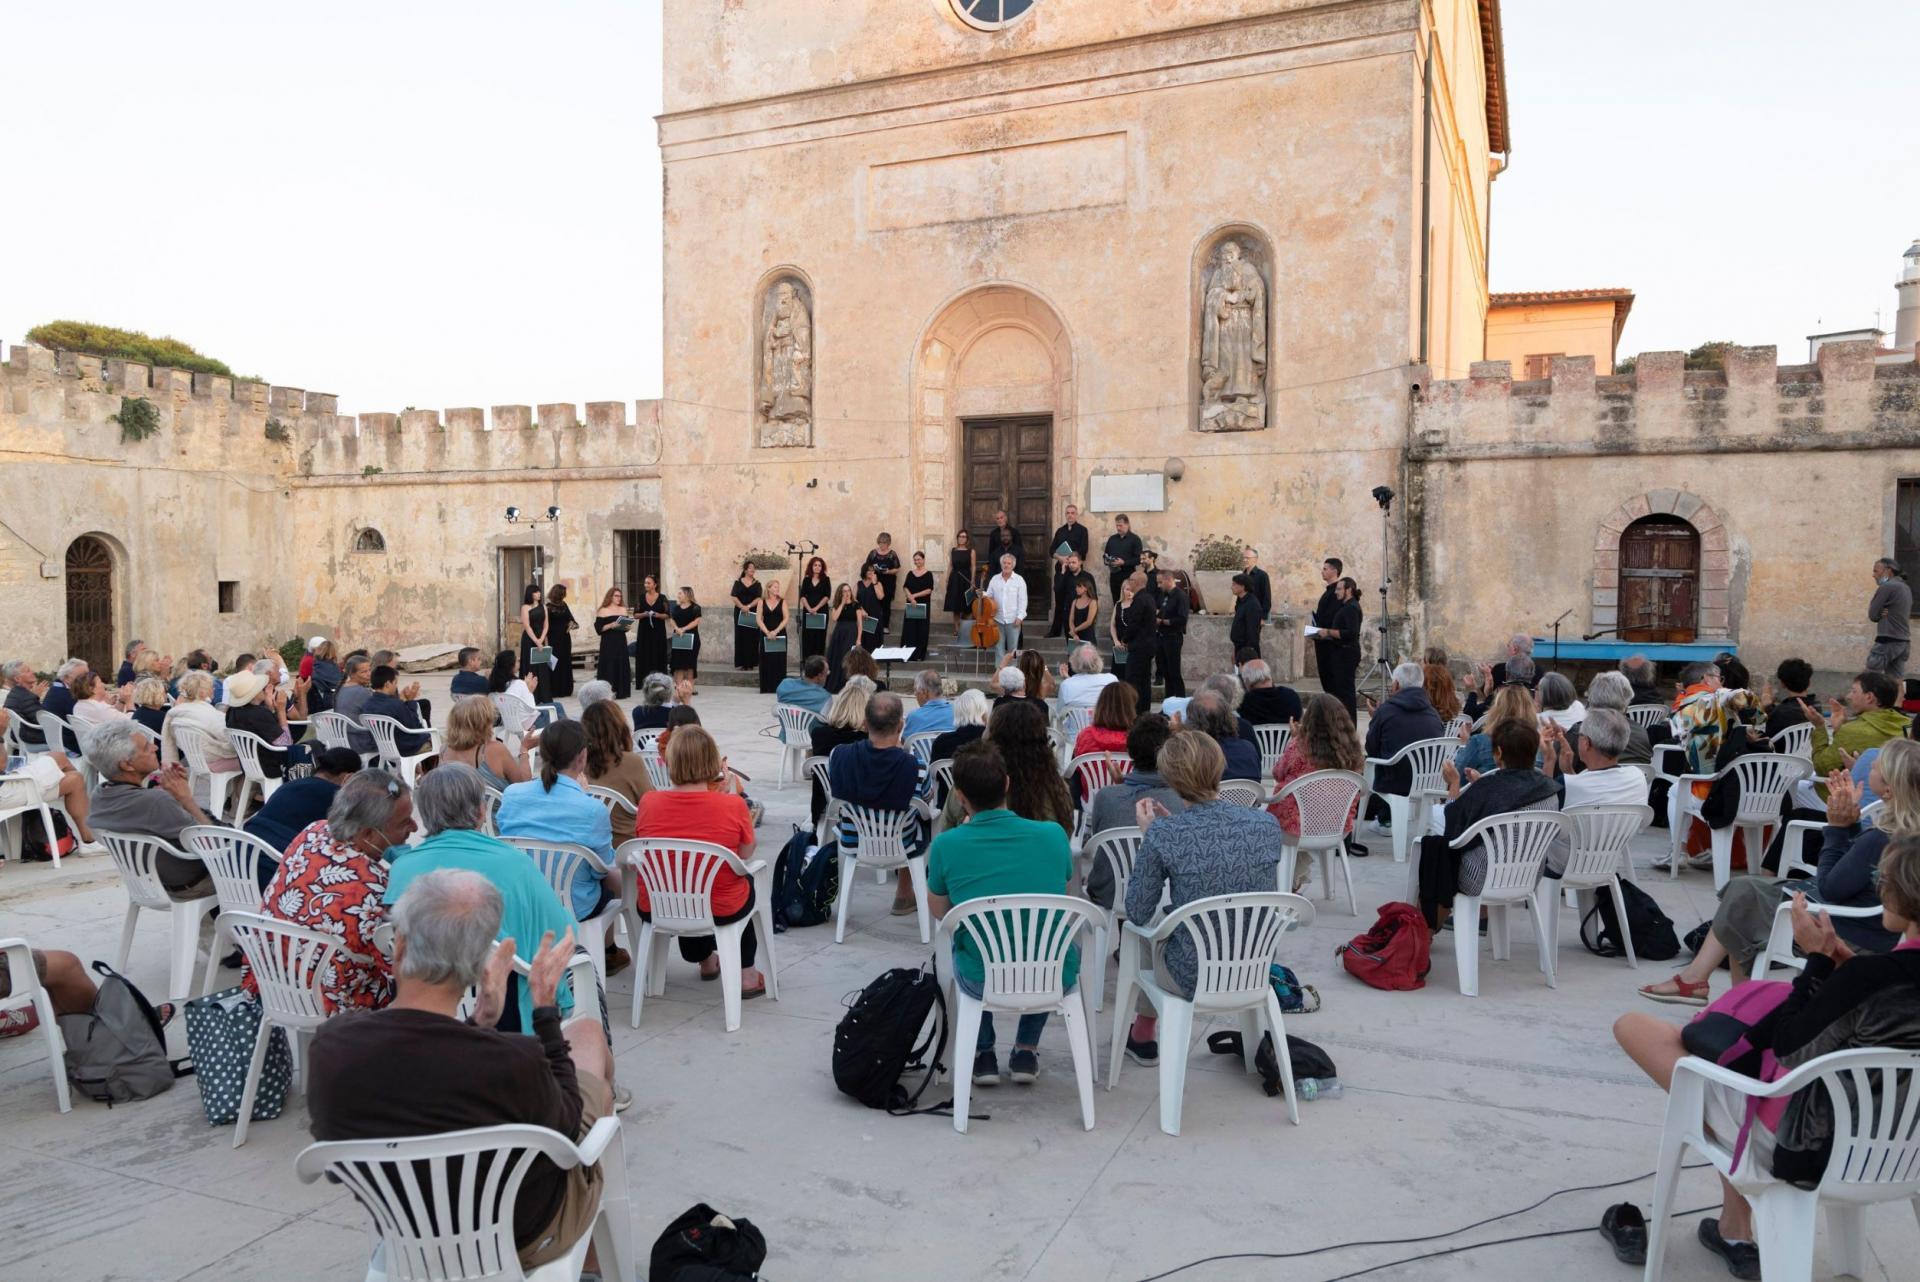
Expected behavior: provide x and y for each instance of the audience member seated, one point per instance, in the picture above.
(876, 773)
(1842, 1000)
(1012, 684)
(1406, 718)
(1033, 667)
(1510, 703)
(334, 880)
(505, 679)
(1639, 671)
(1519, 646)
(469, 740)
(1084, 679)
(192, 710)
(1323, 739)
(996, 852)
(1117, 804)
(845, 722)
(324, 678)
(68, 986)
(1231, 692)
(450, 805)
(123, 804)
(595, 691)
(150, 703)
(1795, 698)
(1209, 714)
(1113, 716)
(1437, 680)
(355, 689)
(556, 807)
(1866, 717)
(1514, 785)
(934, 713)
(1213, 847)
(58, 698)
(252, 710)
(299, 803)
(49, 779)
(468, 677)
(1019, 731)
(24, 689)
(438, 1073)
(970, 709)
(1601, 779)
(808, 690)
(1701, 713)
(1265, 703)
(1517, 670)
(700, 807)
(1614, 692)
(650, 711)
(1558, 704)
(389, 700)
(614, 765)
(1850, 857)
(95, 703)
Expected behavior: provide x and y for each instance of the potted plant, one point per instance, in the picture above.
(1215, 560)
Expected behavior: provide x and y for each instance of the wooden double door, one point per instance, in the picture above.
(1009, 467)
(1659, 580)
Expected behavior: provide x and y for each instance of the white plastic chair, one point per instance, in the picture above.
(56, 731)
(386, 732)
(442, 1205)
(515, 718)
(882, 838)
(198, 749)
(1648, 715)
(1792, 846)
(289, 964)
(1243, 792)
(248, 747)
(1426, 758)
(558, 862)
(647, 741)
(679, 877)
(656, 764)
(28, 994)
(1117, 846)
(19, 799)
(921, 745)
(491, 825)
(1086, 775)
(1795, 741)
(1272, 738)
(613, 801)
(814, 770)
(134, 856)
(1875, 1096)
(335, 730)
(1234, 939)
(1461, 721)
(233, 860)
(939, 783)
(1068, 724)
(1778, 952)
(1022, 942)
(796, 734)
(1325, 799)
(16, 744)
(1596, 856)
(585, 982)
(1765, 778)
(1516, 846)
(145, 731)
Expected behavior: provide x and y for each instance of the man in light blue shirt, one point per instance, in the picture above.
(808, 690)
(935, 713)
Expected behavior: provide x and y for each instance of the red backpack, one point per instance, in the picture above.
(1393, 952)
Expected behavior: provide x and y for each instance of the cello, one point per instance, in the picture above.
(986, 633)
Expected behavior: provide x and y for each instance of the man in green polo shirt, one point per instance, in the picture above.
(996, 852)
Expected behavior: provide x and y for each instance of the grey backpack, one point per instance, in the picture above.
(116, 1051)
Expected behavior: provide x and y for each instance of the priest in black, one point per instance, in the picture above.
(1341, 658)
(1069, 542)
(885, 562)
(1002, 540)
(1121, 555)
(1171, 633)
(1134, 623)
(1257, 581)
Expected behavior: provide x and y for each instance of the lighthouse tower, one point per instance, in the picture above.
(1906, 325)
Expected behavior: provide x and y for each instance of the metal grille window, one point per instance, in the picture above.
(1906, 526)
(636, 554)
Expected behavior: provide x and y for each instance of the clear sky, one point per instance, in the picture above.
(438, 204)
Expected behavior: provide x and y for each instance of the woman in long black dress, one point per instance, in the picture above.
(610, 621)
(872, 600)
(770, 615)
(1081, 614)
(533, 629)
(560, 626)
(650, 637)
(746, 633)
(917, 595)
(683, 620)
(816, 593)
(960, 567)
(844, 626)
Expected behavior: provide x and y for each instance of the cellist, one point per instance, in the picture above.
(1009, 594)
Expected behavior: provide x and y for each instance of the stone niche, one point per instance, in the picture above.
(1232, 330)
(783, 361)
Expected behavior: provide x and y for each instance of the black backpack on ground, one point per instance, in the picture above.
(1650, 929)
(806, 881)
(880, 1039)
(706, 1246)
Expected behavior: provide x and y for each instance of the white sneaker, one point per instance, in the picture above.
(90, 848)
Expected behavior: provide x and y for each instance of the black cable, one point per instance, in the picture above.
(1427, 1237)
(1499, 1241)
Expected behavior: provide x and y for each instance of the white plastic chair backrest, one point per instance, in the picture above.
(679, 877)
(1234, 939)
(289, 963)
(442, 1205)
(881, 834)
(1325, 799)
(1272, 738)
(248, 747)
(941, 773)
(1516, 845)
(1876, 1126)
(796, 724)
(816, 767)
(385, 732)
(921, 745)
(134, 855)
(1242, 792)
(1648, 715)
(1095, 770)
(55, 729)
(25, 983)
(1597, 836)
(1795, 741)
(611, 800)
(1022, 941)
(558, 861)
(331, 728)
(515, 716)
(494, 798)
(580, 970)
(233, 859)
(1461, 721)
(1427, 757)
(1871, 813)
(1764, 778)
(1072, 721)
(145, 731)
(657, 773)
(647, 741)
(197, 747)
(1118, 846)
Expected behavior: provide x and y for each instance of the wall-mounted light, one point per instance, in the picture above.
(553, 513)
(513, 514)
(1174, 469)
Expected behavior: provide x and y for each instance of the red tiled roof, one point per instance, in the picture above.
(1494, 50)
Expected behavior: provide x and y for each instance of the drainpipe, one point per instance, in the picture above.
(1426, 200)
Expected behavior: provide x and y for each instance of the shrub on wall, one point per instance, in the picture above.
(277, 431)
(1215, 552)
(761, 559)
(138, 419)
(124, 344)
(292, 651)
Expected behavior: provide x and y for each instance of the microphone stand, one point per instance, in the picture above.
(1556, 636)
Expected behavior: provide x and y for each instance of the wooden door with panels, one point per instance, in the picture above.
(1009, 465)
(1659, 580)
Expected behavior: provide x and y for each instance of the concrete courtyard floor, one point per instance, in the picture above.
(1455, 1109)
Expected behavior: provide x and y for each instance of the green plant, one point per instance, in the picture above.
(761, 559)
(124, 344)
(138, 419)
(1711, 355)
(292, 651)
(1626, 364)
(278, 431)
(371, 470)
(1215, 552)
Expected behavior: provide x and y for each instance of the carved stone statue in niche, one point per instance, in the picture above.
(1233, 343)
(784, 392)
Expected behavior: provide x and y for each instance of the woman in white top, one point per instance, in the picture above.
(1558, 703)
(502, 681)
(192, 710)
(96, 704)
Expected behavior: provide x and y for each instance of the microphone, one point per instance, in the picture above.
(1603, 632)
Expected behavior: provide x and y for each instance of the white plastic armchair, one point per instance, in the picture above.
(1648, 715)
(1461, 721)
(1067, 725)
(1086, 775)
(60, 733)
(335, 730)
(1516, 846)
(648, 741)
(1426, 758)
(882, 841)
(796, 734)
(1795, 741)
(1116, 847)
(134, 856)
(1597, 857)
(16, 742)
(1875, 1097)
(1234, 938)
(491, 820)
(1325, 799)
(233, 859)
(386, 732)
(615, 803)
(1272, 738)
(921, 745)
(515, 717)
(1779, 952)
(1793, 863)
(26, 993)
(442, 1205)
(1023, 942)
(248, 747)
(584, 982)
(1764, 777)
(20, 799)
(198, 749)
(1243, 792)
(656, 765)
(559, 862)
(679, 877)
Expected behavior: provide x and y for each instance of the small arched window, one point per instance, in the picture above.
(369, 540)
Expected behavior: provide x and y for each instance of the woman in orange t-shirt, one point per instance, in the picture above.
(699, 808)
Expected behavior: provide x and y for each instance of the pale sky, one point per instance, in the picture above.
(440, 204)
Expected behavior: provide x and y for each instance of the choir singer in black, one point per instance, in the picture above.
(1171, 633)
(1121, 556)
(1069, 543)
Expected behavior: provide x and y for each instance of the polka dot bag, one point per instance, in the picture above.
(222, 1030)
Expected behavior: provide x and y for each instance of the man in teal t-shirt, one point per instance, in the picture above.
(996, 852)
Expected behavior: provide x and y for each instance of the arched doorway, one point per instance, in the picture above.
(90, 603)
(1659, 580)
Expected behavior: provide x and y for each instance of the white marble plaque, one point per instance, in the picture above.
(1131, 492)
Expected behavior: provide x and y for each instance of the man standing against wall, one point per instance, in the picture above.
(1341, 658)
(1257, 581)
(1172, 633)
(1002, 540)
(1889, 612)
(1134, 627)
(1121, 555)
(1323, 612)
(1070, 540)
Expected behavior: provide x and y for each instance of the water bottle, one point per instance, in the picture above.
(1313, 1088)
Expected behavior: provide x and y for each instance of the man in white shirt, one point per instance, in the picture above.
(1603, 781)
(1009, 593)
(1083, 681)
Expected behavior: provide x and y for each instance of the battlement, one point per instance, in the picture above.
(1847, 399)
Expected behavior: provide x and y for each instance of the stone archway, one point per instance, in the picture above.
(996, 350)
(90, 603)
(1715, 573)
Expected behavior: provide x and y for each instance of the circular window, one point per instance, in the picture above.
(991, 15)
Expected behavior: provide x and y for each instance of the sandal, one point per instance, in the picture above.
(1743, 1258)
(1683, 994)
(1626, 1229)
